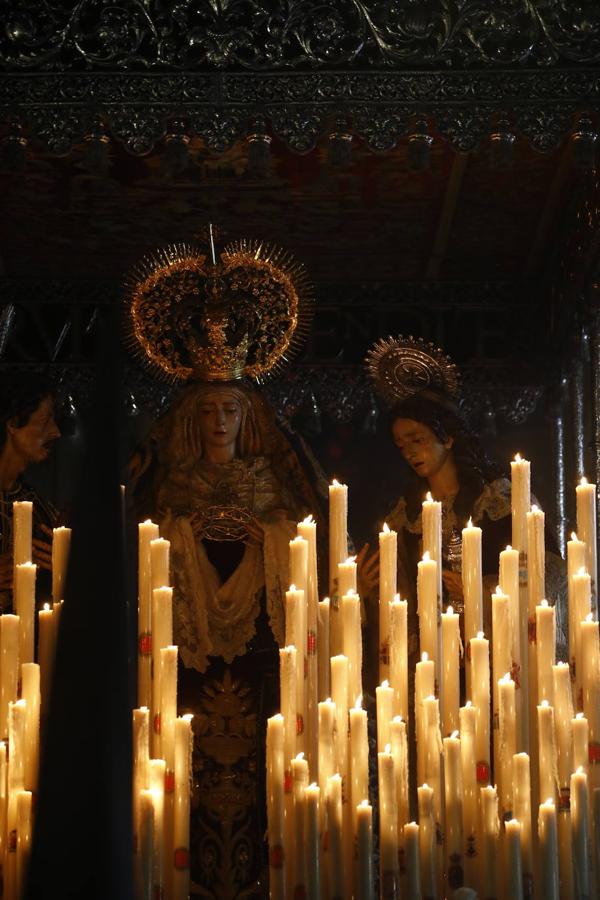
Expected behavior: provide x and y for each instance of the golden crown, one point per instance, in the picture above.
(219, 320)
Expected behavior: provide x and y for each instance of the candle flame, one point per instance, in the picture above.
(425, 785)
(358, 703)
(455, 734)
(396, 599)
(549, 803)
(143, 709)
(388, 749)
(518, 457)
(580, 770)
(450, 610)
(364, 803)
(300, 755)
(544, 603)
(480, 635)
(46, 607)
(579, 715)
(188, 717)
(470, 522)
(385, 683)
(398, 720)
(324, 600)
(147, 522)
(427, 556)
(349, 561)
(298, 539)
(293, 587)
(506, 679)
(583, 480)
(428, 496)
(313, 786)
(308, 520)
(508, 547)
(574, 536)
(335, 483)
(468, 704)
(385, 528)
(544, 703)
(424, 656)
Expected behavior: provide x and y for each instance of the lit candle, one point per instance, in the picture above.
(545, 631)
(9, 667)
(427, 841)
(507, 741)
(385, 713)
(388, 565)
(335, 855)
(468, 715)
(22, 527)
(45, 650)
(275, 807)
(287, 686)
(146, 843)
(24, 799)
(359, 755)
(365, 879)
(590, 652)
(388, 823)
(61, 543)
(547, 751)
(491, 831)
(433, 754)
(472, 588)
(3, 797)
(399, 743)
(580, 828)
(30, 692)
(536, 576)
(450, 670)
(548, 851)
(575, 563)
(168, 707)
(347, 576)
(453, 794)
(299, 578)
(563, 716)
(428, 608)
(424, 687)
(582, 602)
(480, 696)
(157, 770)
(16, 772)
(514, 873)
(520, 501)
(580, 742)
(141, 758)
(326, 744)
(352, 642)
(509, 584)
(522, 811)
(181, 830)
(147, 532)
(399, 655)
(299, 563)
(308, 530)
(300, 783)
(311, 845)
(432, 537)
(340, 697)
(159, 563)
(338, 552)
(162, 636)
(501, 654)
(411, 857)
(25, 574)
(323, 648)
(586, 527)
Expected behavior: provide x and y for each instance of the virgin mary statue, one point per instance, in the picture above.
(227, 483)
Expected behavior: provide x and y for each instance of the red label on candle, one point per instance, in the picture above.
(156, 723)
(181, 858)
(482, 770)
(305, 668)
(169, 781)
(384, 654)
(276, 857)
(145, 644)
(287, 782)
(311, 643)
(515, 672)
(531, 631)
(564, 800)
(12, 841)
(594, 752)
(299, 724)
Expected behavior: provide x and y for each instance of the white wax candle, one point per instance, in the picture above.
(507, 741)
(399, 744)
(347, 576)
(385, 712)
(338, 531)
(157, 771)
(580, 742)
(545, 630)
(9, 667)
(563, 716)
(335, 855)
(388, 821)
(547, 751)
(288, 676)
(359, 755)
(428, 607)
(453, 796)
(427, 839)
(501, 645)
(509, 584)
(575, 563)
(147, 532)
(590, 652)
(522, 809)
(308, 530)
(162, 636)
(299, 785)
(352, 642)
(536, 576)
(520, 501)
(580, 830)
(181, 825)
(365, 879)
(582, 602)
(24, 829)
(145, 843)
(311, 831)
(411, 858)
(326, 744)
(25, 575)
(61, 543)
(323, 653)
(299, 563)
(433, 754)
(16, 761)
(299, 548)
(168, 708)
(22, 528)
(159, 563)
(340, 696)
(450, 670)
(514, 872)
(468, 716)
(424, 687)
(471, 580)
(490, 842)
(399, 655)
(432, 537)
(480, 696)
(45, 650)
(586, 527)
(141, 749)
(275, 806)
(30, 692)
(388, 564)
(547, 829)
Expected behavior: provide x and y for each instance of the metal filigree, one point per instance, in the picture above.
(400, 367)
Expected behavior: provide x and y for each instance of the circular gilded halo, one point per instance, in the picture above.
(403, 366)
(256, 303)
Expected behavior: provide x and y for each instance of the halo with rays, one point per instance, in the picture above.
(402, 366)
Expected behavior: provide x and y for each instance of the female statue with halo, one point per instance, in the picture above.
(227, 483)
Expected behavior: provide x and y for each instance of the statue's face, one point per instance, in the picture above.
(220, 417)
(32, 441)
(420, 446)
